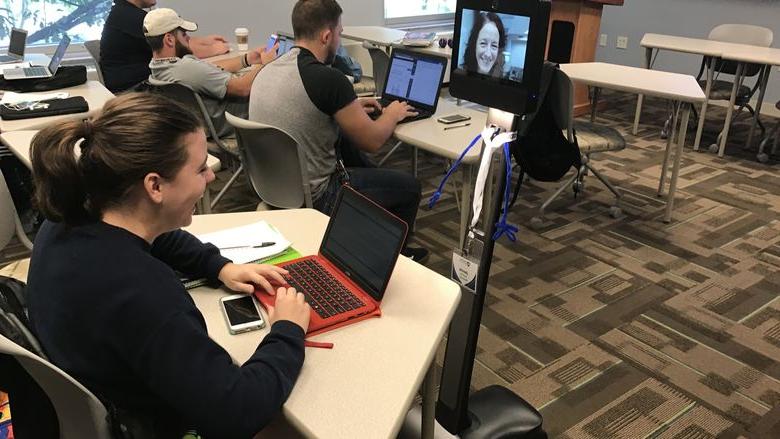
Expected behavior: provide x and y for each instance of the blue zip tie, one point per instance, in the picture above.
(436, 195)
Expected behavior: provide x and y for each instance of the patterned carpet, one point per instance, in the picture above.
(628, 327)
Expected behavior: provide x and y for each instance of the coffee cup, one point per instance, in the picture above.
(242, 38)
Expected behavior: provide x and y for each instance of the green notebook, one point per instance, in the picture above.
(284, 256)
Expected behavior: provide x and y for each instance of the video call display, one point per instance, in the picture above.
(493, 44)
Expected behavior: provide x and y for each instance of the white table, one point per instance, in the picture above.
(674, 86)
(430, 135)
(19, 144)
(93, 92)
(381, 36)
(365, 385)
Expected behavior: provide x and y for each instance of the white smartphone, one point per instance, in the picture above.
(242, 313)
(453, 118)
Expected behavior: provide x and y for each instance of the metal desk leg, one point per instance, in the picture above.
(730, 110)
(466, 189)
(429, 402)
(640, 98)
(763, 77)
(204, 205)
(707, 89)
(677, 159)
(667, 152)
(594, 103)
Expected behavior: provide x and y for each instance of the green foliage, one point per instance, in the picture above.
(46, 20)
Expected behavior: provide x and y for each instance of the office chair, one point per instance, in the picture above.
(774, 134)
(10, 223)
(93, 47)
(380, 61)
(80, 414)
(274, 162)
(226, 149)
(591, 138)
(721, 89)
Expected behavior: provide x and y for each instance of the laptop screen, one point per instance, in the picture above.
(56, 59)
(18, 42)
(414, 77)
(363, 241)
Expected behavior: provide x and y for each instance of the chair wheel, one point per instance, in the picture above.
(763, 157)
(537, 222)
(714, 148)
(615, 212)
(578, 186)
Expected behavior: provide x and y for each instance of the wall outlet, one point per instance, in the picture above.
(603, 40)
(622, 42)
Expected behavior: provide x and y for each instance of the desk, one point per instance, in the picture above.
(365, 385)
(94, 92)
(19, 144)
(429, 135)
(381, 36)
(673, 86)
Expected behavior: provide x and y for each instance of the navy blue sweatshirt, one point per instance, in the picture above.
(109, 310)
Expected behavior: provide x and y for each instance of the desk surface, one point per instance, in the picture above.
(363, 387)
(699, 46)
(19, 143)
(673, 86)
(94, 92)
(383, 36)
(428, 134)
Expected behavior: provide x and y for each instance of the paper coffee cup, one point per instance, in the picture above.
(242, 38)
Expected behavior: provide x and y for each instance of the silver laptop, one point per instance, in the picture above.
(16, 46)
(40, 71)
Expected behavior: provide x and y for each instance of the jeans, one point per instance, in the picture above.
(396, 191)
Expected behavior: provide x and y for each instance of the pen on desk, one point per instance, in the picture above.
(261, 245)
(457, 126)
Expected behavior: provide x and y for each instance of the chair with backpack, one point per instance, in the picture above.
(10, 223)
(544, 153)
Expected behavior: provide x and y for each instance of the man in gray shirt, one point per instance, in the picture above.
(173, 62)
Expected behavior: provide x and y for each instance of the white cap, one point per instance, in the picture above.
(163, 20)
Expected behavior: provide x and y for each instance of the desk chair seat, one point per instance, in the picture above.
(592, 138)
(721, 90)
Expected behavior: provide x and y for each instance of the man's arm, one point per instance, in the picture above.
(212, 45)
(369, 135)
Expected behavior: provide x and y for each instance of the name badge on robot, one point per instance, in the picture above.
(464, 271)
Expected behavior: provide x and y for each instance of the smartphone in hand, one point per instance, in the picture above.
(271, 41)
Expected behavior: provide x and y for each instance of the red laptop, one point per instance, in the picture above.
(345, 282)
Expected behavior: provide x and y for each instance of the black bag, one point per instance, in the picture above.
(66, 76)
(14, 324)
(49, 107)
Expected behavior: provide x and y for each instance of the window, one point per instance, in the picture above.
(406, 11)
(46, 20)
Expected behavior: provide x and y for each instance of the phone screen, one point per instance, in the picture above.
(271, 41)
(241, 310)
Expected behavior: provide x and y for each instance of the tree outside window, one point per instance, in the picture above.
(46, 20)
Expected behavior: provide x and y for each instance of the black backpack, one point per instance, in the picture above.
(541, 150)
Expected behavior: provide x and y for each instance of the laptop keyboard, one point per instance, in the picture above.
(35, 71)
(326, 296)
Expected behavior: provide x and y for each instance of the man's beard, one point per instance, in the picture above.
(182, 50)
(331, 56)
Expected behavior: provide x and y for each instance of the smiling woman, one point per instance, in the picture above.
(47, 20)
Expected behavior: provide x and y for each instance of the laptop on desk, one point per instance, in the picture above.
(416, 78)
(40, 71)
(16, 46)
(346, 281)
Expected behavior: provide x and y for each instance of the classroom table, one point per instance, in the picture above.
(364, 386)
(19, 144)
(674, 86)
(379, 35)
(430, 135)
(93, 92)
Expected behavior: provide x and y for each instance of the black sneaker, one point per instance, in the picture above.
(417, 254)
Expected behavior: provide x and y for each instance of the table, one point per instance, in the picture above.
(365, 385)
(19, 144)
(381, 36)
(674, 86)
(429, 135)
(94, 92)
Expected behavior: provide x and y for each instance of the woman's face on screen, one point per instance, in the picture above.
(487, 47)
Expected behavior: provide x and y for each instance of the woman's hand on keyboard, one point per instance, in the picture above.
(290, 305)
(244, 277)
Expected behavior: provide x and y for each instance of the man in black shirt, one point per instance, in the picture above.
(124, 53)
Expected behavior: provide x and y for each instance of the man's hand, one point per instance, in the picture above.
(291, 306)
(261, 55)
(244, 277)
(371, 105)
(208, 46)
(400, 110)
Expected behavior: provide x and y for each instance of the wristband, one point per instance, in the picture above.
(245, 60)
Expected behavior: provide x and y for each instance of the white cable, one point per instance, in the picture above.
(484, 166)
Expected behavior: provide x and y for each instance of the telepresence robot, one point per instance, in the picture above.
(507, 83)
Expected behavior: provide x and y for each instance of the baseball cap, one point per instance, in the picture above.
(162, 20)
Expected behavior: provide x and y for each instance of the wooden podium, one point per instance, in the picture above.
(585, 15)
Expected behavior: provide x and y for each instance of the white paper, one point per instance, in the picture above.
(244, 237)
(11, 97)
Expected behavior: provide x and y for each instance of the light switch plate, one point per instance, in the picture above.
(622, 42)
(603, 40)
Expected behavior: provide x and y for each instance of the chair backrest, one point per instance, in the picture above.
(561, 95)
(274, 162)
(9, 219)
(741, 34)
(79, 413)
(380, 61)
(93, 47)
(190, 99)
